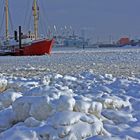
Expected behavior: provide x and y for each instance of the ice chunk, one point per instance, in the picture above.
(3, 84)
(64, 103)
(118, 116)
(41, 109)
(19, 133)
(115, 103)
(27, 106)
(31, 122)
(8, 97)
(82, 106)
(68, 124)
(70, 78)
(7, 118)
(95, 108)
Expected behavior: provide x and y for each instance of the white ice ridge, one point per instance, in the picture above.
(3, 84)
(67, 107)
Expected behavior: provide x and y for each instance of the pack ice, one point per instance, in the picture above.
(67, 107)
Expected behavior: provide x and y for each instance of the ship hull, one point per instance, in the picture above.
(40, 47)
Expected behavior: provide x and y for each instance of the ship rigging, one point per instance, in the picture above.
(31, 44)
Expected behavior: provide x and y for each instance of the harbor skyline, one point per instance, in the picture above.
(102, 19)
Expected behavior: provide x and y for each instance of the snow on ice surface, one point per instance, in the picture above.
(39, 105)
(113, 61)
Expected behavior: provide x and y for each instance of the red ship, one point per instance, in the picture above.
(40, 47)
(25, 45)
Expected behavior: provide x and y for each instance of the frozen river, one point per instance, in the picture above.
(71, 95)
(118, 62)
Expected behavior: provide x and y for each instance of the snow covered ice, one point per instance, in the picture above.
(40, 101)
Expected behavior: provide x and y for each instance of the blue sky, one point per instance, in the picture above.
(102, 18)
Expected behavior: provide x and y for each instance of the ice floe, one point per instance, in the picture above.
(67, 107)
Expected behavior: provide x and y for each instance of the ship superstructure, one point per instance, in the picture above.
(29, 44)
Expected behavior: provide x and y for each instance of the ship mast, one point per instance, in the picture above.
(6, 20)
(35, 14)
